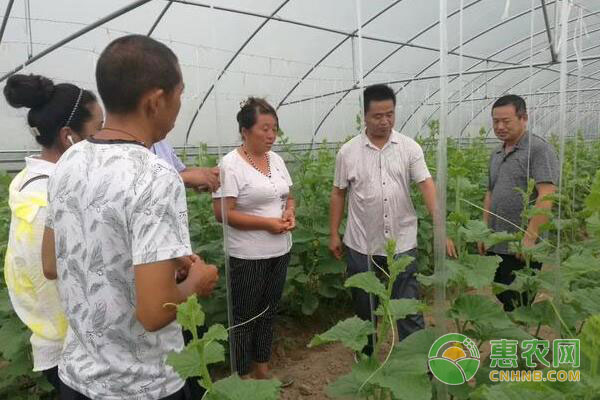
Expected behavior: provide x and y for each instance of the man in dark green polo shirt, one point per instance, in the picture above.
(522, 156)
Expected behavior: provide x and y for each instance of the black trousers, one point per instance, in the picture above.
(256, 286)
(405, 287)
(52, 377)
(512, 299)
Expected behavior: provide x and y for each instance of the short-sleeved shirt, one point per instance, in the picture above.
(114, 205)
(378, 182)
(165, 151)
(531, 158)
(256, 194)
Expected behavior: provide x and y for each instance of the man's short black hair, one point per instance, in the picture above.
(132, 65)
(378, 93)
(512, 99)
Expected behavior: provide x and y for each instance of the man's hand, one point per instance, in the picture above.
(451, 248)
(481, 247)
(527, 243)
(184, 266)
(202, 178)
(203, 277)
(335, 246)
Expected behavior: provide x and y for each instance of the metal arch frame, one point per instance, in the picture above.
(428, 66)
(75, 35)
(212, 86)
(505, 91)
(590, 97)
(5, 18)
(159, 18)
(494, 77)
(514, 85)
(422, 32)
(328, 53)
(324, 28)
(489, 79)
(518, 42)
(571, 72)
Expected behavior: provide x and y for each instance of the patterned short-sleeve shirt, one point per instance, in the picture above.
(114, 206)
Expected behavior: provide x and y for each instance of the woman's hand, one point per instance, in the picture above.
(289, 215)
(277, 225)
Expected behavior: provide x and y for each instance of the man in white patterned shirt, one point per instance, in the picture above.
(116, 231)
(376, 169)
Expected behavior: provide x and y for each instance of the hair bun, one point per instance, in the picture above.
(29, 91)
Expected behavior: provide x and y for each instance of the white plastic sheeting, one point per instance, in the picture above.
(302, 59)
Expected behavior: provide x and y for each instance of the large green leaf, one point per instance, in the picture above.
(214, 353)
(588, 300)
(474, 270)
(368, 282)
(406, 378)
(499, 237)
(474, 231)
(353, 384)
(187, 362)
(400, 308)
(216, 332)
(352, 332)
(521, 391)
(14, 336)
(592, 202)
(397, 266)
(405, 375)
(310, 303)
(234, 388)
(478, 309)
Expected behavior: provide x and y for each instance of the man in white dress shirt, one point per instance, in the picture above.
(376, 169)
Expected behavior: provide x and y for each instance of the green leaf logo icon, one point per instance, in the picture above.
(454, 359)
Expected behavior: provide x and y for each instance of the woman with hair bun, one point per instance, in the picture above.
(59, 116)
(255, 187)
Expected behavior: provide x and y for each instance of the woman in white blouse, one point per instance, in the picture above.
(258, 207)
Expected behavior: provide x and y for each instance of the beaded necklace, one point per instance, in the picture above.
(251, 160)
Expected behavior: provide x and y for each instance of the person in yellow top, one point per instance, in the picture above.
(59, 116)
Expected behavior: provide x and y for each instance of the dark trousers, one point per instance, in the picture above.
(512, 299)
(66, 393)
(52, 377)
(256, 286)
(405, 287)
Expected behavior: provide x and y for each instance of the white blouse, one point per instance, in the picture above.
(259, 195)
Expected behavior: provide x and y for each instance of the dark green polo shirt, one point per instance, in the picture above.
(536, 160)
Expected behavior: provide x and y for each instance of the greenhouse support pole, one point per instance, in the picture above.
(5, 18)
(76, 35)
(564, 16)
(439, 218)
(549, 31)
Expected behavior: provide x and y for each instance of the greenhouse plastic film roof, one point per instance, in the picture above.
(310, 57)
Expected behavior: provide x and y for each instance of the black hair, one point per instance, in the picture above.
(131, 66)
(377, 93)
(250, 109)
(512, 99)
(52, 107)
